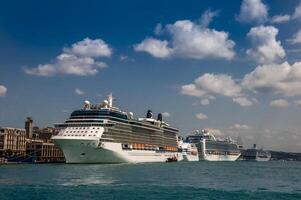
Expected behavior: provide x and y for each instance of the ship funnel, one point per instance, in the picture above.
(160, 117)
(149, 114)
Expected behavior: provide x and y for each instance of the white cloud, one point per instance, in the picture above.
(283, 79)
(296, 38)
(3, 90)
(277, 19)
(297, 13)
(166, 114)
(253, 11)
(242, 101)
(240, 127)
(190, 40)
(79, 92)
(280, 103)
(201, 116)
(265, 48)
(156, 48)
(207, 17)
(90, 48)
(209, 85)
(78, 60)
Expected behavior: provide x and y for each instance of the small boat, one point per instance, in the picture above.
(172, 159)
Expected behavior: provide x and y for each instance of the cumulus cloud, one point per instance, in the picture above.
(208, 86)
(156, 48)
(201, 116)
(280, 103)
(297, 13)
(296, 38)
(207, 17)
(265, 48)
(3, 90)
(80, 60)
(283, 79)
(253, 11)
(90, 48)
(211, 84)
(242, 101)
(277, 19)
(276, 79)
(190, 40)
(79, 92)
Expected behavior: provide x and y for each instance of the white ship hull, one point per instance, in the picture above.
(210, 157)
(90, 150)
(190, 157)
(205, 155)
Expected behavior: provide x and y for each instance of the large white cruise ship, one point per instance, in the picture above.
(105, 134)
(212, 149)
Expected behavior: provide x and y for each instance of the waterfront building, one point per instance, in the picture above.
(12, 142)
(42, 152)
(29, 127)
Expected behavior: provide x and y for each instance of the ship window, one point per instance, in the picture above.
(93, 128)
(86, 131)
(96, 131)
(91, 131)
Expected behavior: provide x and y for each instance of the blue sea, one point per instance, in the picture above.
(183, 180)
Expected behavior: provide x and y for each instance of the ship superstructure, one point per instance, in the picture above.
(212, 149)
(105, 134)
(188, 150)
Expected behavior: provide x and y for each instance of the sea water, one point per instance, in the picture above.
(183, 180)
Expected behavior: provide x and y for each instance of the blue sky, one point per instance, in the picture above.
(234, 68)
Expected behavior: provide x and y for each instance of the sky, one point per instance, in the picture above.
(232, 68)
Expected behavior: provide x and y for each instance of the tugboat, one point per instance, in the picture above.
(172, 159)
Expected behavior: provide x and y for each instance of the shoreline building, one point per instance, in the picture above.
(12, 142)
(39, 148)
(28, 145)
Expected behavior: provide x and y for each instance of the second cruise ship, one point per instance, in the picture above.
(105, 134)
(212, 149)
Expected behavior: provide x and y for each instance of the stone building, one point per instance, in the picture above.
(12, 142)
(29, 127)
(42, 152)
